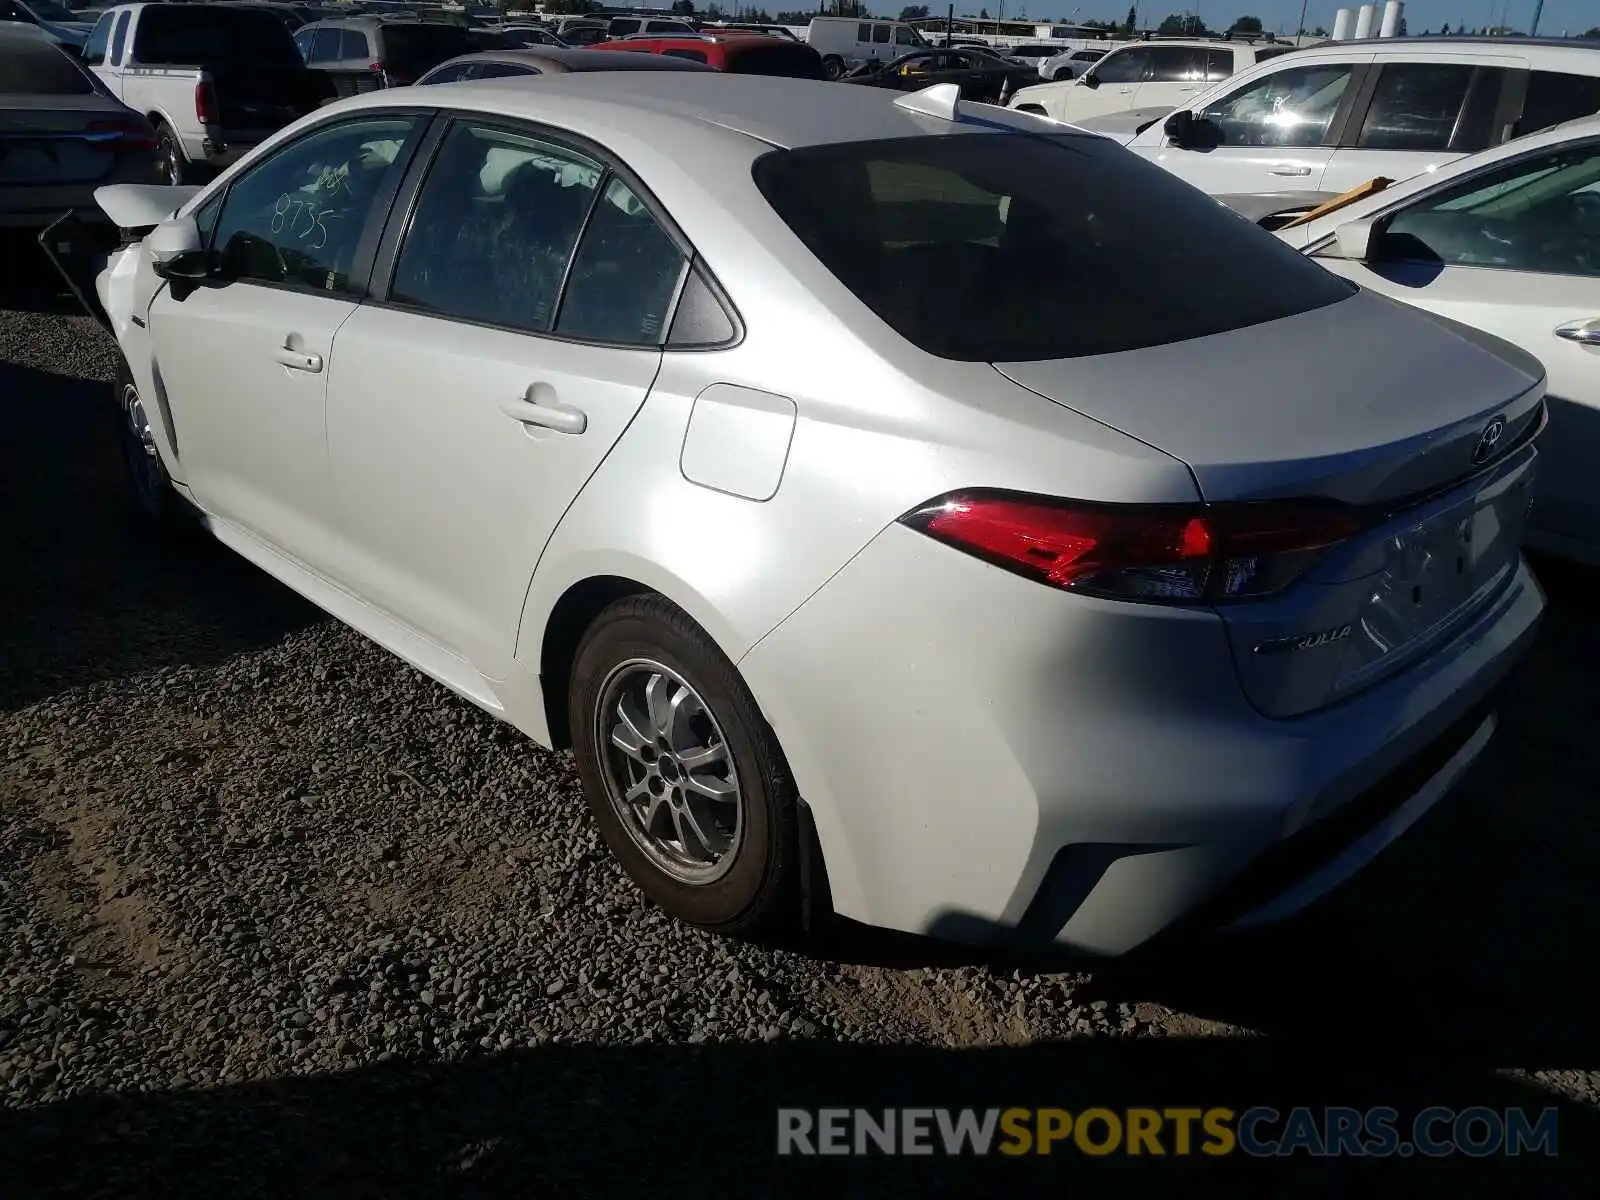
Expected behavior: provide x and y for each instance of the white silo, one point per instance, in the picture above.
(1392, 12)
(1343, 21)
(1366, 15)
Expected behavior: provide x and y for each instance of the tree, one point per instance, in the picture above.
(914, 12)
(684, 8)
(1132, 21)
(1246, 25)
(794, 18)
(568, 8)
(983, 14)
(1181, 25)
(1319, 31)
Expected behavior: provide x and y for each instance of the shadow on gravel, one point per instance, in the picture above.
(653, 1121)
(88, 592)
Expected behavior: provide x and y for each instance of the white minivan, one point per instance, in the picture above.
(845, 41)
(1330, 117)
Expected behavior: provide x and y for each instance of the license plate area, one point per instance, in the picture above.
(1434, 572)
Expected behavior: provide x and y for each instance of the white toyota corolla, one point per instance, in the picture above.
(935, 511)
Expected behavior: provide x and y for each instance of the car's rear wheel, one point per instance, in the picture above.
(684, 776)
(152, 486)
(174, 164)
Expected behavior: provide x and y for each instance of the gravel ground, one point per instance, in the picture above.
(279, 916)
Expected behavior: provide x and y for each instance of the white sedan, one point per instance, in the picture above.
(743, 435)
(1508, 241)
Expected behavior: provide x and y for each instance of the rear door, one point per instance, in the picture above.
(472, 400)
(1515, 250)
(1419, 114)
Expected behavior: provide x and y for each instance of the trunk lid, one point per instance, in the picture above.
(51, 140)
(1425, 424)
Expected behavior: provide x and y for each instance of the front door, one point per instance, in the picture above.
(1515, 250)
(470, 408)
(1271, 135)
(1111, 85)
(244, 364)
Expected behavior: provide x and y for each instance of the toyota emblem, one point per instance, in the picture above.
(1488, 440)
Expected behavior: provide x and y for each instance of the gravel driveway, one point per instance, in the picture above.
(281, 917)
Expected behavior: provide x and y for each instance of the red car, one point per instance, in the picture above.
(739, 53)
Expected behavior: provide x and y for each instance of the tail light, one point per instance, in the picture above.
(206, 110)
(1164, 553)
(130, 133)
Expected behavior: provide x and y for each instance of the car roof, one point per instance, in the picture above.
(1468, 47)
(679, 109)
(560, 60)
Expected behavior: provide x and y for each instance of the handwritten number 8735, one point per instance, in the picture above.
(286, 218)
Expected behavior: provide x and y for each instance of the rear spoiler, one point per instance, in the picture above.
(143, 206)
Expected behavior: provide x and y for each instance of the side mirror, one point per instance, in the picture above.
(1089, 81)
(1179, 127)
(172, 238)
(1354, 240)
(191, 267)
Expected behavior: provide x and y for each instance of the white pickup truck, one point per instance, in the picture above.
(214, 79)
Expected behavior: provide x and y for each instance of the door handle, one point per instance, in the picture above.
(1585, 333)
(1290, 169)
(298, 360)
(563, 418)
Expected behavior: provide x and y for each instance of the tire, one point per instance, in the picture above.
(832, 67)
(753, 886)
(152, 488)
(175, 165)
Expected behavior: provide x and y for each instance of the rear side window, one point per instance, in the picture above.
(353, 44)
(997, 247)
(624, 275)
(1416, 106)
(1554, 97)
(1175, 64)
(37, 68)
(863, 33)
(789, 61)
(880, 34)
(1219, 64)
(503, 71)
(326, 44)
(691, 55)
(409, 50)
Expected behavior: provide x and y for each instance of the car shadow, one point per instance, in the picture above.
(90, 592)
(660, 1120)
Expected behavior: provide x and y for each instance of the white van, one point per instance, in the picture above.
(845, 41)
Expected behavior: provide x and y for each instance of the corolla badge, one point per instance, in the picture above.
(1488, 440)
(1305, 641)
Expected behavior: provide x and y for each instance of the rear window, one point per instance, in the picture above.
(188, 35)
(412, 49)
(791, 62)
(29, 68)
(1000, 247)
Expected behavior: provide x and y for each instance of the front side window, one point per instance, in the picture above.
(1292, 107)
(1176, 64)
(454, 73)
(905, 36)
(118, 36)
(1128, 66)
(624, 275)
(503, 71)
(1416, 106)
(302, 43)
(964, 246)
(880, 35)
(495, 226)
(1541, 214)
(94, 49)
(297, 217)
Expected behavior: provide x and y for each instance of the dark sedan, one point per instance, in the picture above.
(981, 76)
(549, 60)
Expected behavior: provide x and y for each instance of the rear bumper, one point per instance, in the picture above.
(990, 760)
(224, 147)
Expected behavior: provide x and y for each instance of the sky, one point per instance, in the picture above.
(1559, 16)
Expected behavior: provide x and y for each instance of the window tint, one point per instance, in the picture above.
(1219, 64)
(119, 36)
(624, 275)
(1541, 214)
(880, 34)
(302, 42)
(965, 247)
(1292, 107)
(409, 50)
(905, 37)
(297, 218)
(692, 55)
(623, 26)
(326, 44)
(1127, 66)
(353, 44)
(94, 49)
(189, 35)
(503, 71)
(1554, 97)
(495, 225)
(1416, 106)
(863, 33)
(34, 67)
(1175, 64)
(454, 73)
(700, 319)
